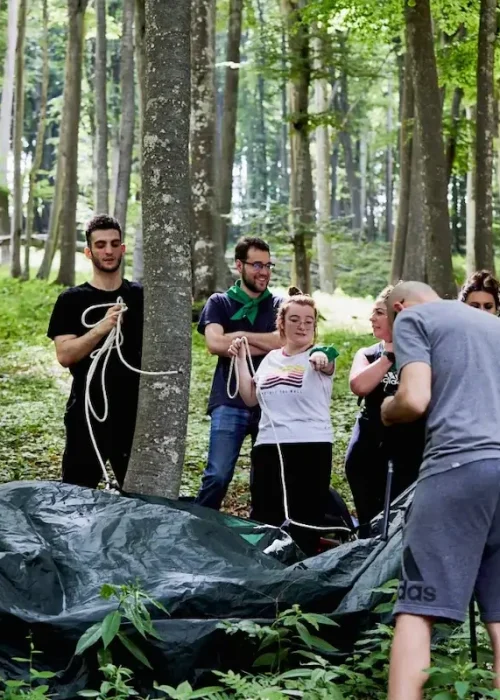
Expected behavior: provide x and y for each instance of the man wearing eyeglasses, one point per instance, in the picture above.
(246, 309)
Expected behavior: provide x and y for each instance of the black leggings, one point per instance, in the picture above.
(308, 468)
(367, 463)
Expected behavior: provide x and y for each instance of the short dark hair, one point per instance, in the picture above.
(247, 242)
(481, 281)
(101, 222)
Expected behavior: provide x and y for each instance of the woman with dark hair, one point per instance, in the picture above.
(293, 386)
(482, 291)
(373, 376)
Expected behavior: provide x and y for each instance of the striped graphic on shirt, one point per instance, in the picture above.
(290, 375)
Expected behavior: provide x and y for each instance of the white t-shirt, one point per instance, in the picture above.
(298, 398)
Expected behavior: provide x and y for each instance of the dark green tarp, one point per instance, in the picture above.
(59, 544)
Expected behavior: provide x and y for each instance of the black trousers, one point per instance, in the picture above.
(80, 465)
(367, 464)
(308, 469)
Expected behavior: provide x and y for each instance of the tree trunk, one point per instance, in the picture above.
(101, 110)
(285, 178)
(127, 110)
(52, 240)
(140, 59)
(40, 139)
(261, 136)
(138, 260)
(414, 265)
(334, 162)
(429, 112)
(363, 172)
(17, 218)
(159, 442)
(89, 61)
(451, 145)
(226, 161)
(462, 215)
(342, 101)
(324, 244)
(389, 165)
(498, 151)
(455, 218)
(470, 215)
(6, 122)
(202, 147)
(69, 148)
(301, 190)
(405, 150)
(485, 126)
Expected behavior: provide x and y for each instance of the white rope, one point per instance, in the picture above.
(114, 341)
(233, 369)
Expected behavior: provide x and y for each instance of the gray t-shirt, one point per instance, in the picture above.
(462, 346)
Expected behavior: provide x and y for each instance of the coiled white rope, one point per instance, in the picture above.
(114, 341)
(233, 369)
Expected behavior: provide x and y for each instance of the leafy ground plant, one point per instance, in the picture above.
(35, 688)
(117, 684)
(290, 629)
(132, 607)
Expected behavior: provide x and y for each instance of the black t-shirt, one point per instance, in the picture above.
(66, 319)
(403, 442)
(387, 387)
(219, 309)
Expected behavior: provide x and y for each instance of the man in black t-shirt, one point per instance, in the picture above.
(74, 344)
(246, 309)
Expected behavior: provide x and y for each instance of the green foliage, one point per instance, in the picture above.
(184, 691)
(291, 629)
(362, 676)
(299, 662)
(132, 602)
(35, 688)
(33, 387)
(363, 267)
(116, 684)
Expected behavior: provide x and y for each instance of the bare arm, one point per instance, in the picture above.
(263, 341)
(364, 377)
(412, 397)
(70, 349)
(247, 388)
(218, 342)
(319, 360)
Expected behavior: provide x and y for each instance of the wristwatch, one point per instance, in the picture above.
(390, 356)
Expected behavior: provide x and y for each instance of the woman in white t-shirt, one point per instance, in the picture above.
(293, 385)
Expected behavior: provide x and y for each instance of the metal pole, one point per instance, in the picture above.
(387, 501)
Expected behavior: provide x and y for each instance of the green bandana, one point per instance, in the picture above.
(328, 350)
(250, 306)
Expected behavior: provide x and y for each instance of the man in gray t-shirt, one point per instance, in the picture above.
(448, 357)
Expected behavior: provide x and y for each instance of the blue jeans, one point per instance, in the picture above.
(229, 427)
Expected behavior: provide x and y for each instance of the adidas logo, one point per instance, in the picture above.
(417, 592)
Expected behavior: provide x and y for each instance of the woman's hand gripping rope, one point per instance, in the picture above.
(240, 349)
(112, 324)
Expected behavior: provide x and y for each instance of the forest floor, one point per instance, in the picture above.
(34, 389)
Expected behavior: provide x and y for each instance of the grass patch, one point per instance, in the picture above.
(34, 390)
(32, 386)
